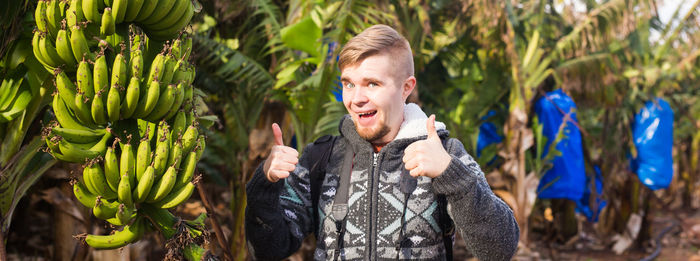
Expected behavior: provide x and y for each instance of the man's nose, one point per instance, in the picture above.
(359, 95)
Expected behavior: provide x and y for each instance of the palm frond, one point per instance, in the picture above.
(593, 31)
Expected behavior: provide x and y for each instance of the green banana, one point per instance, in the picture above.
(127, 162)
(120, 7)
(163, 105)
(113, 103)
(146, 10)
(143, 154)
(111, 169)
(179, 98)
(164, 185)
(96, 176)
(162, 151)
(136, 44)
(83, 195)
(176, 197)
(17, 104)
(129, 234)
(40, 17)
(175, 155)
(108, 25)
(162, 9)
(119, 73)
(72, 153)
(105, 209)
(132, 10)
(64, 116)
(90, 12)
(156, 69)
(83, 109)
(53, 17)
(179, 125)
(84, 79)
(136, 64)
(101, 75)
(148, 103)
(37, 51)
(177, 11)
(144, 185)
(201, 144)
(168, 70)
(189, 139)
(63, 48)
(79, 135)
(187, 47)
(187, 173)
(97, 109)
(171, 32)
(124, 191)
(74, 14)
(49, 53)
(79, 43)
(176, 49)
(131, 99)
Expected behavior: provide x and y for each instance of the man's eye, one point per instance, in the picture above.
(372, 85)
(349, 85)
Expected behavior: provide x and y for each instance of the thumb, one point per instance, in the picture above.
(430, 125)
(277, 132)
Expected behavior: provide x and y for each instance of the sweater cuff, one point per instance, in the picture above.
(262, 191)
(455, 179)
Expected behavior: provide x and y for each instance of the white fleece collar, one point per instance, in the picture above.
(413, 124)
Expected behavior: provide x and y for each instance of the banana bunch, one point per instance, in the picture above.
(15, 96)
(157, 173)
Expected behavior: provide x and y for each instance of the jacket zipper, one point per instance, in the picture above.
(371, 205)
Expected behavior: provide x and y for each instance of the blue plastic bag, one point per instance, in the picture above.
(585, 206)
(653, 138)
(566, 179)
(488, 134)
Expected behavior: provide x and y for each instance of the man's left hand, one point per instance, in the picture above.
(427, 157)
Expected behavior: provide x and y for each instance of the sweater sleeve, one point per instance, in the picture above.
(278, 215)
(485, 222)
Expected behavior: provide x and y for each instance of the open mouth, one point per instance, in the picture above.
(367, 114)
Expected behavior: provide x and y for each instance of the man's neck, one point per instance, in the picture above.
(378, 146)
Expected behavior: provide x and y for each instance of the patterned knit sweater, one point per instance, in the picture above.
(279, 216)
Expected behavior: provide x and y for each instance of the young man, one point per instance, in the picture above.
(397, 163)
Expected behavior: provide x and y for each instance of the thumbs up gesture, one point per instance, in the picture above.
(427, 157)
(282, 159)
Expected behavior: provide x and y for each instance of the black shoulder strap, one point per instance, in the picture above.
(444, 221)
(321, 150)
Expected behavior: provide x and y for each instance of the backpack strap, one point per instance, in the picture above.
(321, 150)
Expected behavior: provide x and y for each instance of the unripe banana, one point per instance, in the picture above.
(89, 8)
(125, 214)
(129, 234)
(136, 44)
(163, 105)
(108, 26)
(79, 43)
(84, 79)
(63, 48)
(187, 173)
(113, 103)
(97, 109)
(127, 162)
(171, 32)
(119, 10)
(74, 14)
(53, 17)
(187, 47)
(176, 197)
(131, 100)
(162, 151)
(179, 99)
(100, 182)
(124, 191)
(119, 73)
(168, 70)
(49, 53)
(164, 185)
(146, 10)
(157, 68)
(143, 154)
(101, 74)
(111, 170)
(132, 10)
(162, 9)
(201, 145)
(40, 17)
(189, 139)
(136, 64)
(88, 180)
(176, 49)
(179, 125)
(105, 209)
(64, 117)
(79, 135)
(144, 185)
(173, 16)
(83, 194)
(82, 111)
(175, 155)
(146, 104)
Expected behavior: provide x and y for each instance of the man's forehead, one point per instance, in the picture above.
(373, 67)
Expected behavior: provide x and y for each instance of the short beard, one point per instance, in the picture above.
(372, 137)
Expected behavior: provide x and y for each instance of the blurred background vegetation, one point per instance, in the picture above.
(264, 61)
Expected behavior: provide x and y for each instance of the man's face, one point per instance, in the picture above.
(374, 93)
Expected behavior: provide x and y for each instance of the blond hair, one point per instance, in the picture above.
(377, 39)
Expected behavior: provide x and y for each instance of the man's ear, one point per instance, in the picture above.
(408, 85)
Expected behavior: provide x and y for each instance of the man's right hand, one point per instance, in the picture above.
(282, 159)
